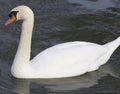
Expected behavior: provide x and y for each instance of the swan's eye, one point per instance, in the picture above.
(13, 13)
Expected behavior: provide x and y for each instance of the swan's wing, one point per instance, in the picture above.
(69, 53)
(69, 59)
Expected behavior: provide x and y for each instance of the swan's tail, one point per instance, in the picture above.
(112, 46)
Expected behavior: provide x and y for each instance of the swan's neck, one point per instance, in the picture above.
(24, 48)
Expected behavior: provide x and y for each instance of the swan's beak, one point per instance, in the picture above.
(10, 20)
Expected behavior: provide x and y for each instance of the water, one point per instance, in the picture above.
(58, 21)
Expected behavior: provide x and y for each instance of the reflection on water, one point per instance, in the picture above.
(25, 86)
(58, 21)
(87, 81)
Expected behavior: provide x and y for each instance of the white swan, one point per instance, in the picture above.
(63, 60)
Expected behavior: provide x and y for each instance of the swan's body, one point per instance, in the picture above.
(63, 60)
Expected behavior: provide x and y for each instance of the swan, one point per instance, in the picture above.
(62, 60)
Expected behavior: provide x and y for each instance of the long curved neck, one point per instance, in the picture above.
(24, 48)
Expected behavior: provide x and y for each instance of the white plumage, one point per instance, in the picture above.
(63, 60)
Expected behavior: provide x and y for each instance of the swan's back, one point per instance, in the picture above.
(71, 50)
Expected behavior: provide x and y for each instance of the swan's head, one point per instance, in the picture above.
(19, 13)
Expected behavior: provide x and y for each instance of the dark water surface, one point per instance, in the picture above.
(58, 21)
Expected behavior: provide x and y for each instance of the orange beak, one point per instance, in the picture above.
(10, 20)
